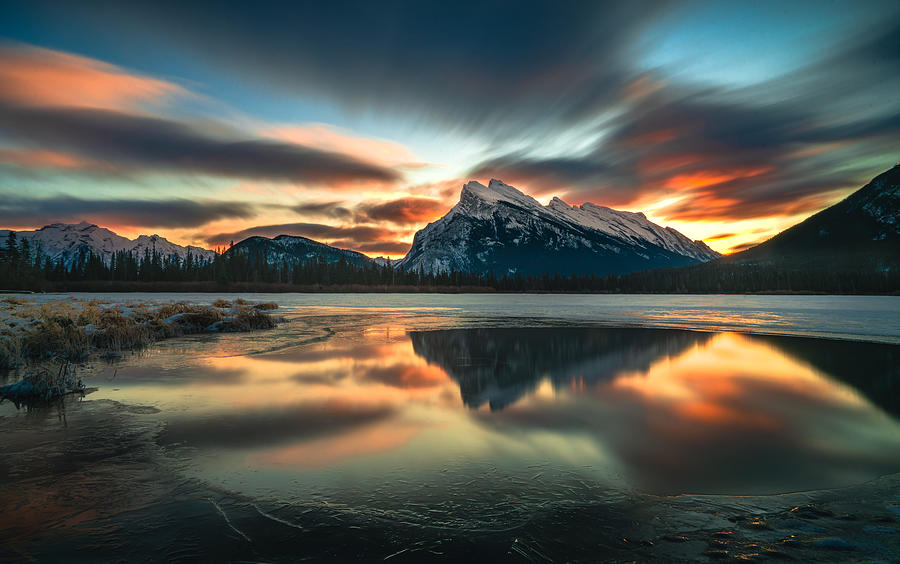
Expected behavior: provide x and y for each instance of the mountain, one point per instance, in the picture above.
(498, 228)
(297, 249)
(64, 242)
(851, 247)
(861, 231)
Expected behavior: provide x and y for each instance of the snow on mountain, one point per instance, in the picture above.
(498, 228)
(155, 243)
(880, 200)
(65, 242)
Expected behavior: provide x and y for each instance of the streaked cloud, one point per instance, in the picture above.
(373, 116)
(334, 210)
(339, 236)
(39, 159)
(24, 212)
(404, 211)
(470, 66)
(42, 77)
(330, 138)
(164, 145)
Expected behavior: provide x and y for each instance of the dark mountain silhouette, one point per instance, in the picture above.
(293, 249)
(863, 230)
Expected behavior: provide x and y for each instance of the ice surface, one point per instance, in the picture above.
(344, 435)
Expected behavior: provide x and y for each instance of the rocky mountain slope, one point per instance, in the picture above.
(498, 228)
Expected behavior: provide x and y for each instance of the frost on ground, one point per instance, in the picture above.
(72, 330)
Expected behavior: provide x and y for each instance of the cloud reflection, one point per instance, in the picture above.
(265, 427)
(666, 411)
(684, 411)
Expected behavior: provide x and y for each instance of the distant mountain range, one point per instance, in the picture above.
(63, 242)
(496, 228)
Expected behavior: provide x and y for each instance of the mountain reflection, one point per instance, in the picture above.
(664, 411)
(501, 366)
(873, 369)
(680, 411)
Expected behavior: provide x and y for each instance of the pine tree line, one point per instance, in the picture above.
(25, 268)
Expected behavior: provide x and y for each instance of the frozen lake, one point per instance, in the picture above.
(875, 318)
(411, 427)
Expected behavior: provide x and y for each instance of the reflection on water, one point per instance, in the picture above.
(689, 412)
(469, 429)
(500, 366)
(664, 411)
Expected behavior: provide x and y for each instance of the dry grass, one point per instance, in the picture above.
(44, 385)
(73, 330)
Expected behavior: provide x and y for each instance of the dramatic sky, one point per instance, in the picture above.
(357, 123)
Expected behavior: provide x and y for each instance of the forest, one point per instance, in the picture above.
(23, 268)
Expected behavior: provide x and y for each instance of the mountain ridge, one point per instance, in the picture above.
(862, 228)
(497, 228)
(64, 242)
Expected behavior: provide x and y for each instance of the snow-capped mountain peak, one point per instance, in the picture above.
(497, 227)
(496, 191)
(66, 241)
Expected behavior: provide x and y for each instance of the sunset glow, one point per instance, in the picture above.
(294, 135)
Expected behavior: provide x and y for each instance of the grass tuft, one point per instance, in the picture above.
(43, 386)
(72, 330)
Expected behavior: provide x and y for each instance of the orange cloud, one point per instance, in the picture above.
(659, 165)
(744, 246)
(329, 138)
(358, 444)
(719, 237)
(43, 77)
(706, 178)
(642, 87)
(403, 211)
(654, 137)
(27, 158)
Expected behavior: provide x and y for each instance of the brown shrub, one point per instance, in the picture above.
(65, 330)
(56, 336)
(248, 320)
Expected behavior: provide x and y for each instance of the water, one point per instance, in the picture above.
(512, 427)
(874, 318)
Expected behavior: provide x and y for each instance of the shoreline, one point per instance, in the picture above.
(275, 288)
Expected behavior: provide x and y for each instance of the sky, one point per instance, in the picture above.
(357, 123)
